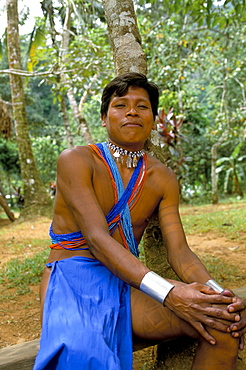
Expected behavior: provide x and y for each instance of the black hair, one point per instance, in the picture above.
(120, 85)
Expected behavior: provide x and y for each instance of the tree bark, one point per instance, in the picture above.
(155, 252)
(124, 36)
(214, 179)
(36, 197)
(237, 189)
(5, 121)
(154, 249)
(66, 122)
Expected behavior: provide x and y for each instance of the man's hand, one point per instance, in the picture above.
(237, 329)
(194, 304)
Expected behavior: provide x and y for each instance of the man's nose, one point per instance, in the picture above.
(132, 111)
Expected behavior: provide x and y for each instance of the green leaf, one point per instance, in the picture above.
(222, 160)
(236, 150)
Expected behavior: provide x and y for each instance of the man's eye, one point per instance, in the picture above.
(119, 105)
(143, 106)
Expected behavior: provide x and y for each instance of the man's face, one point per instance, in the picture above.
(129, 119)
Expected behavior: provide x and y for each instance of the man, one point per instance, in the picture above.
(98, 291)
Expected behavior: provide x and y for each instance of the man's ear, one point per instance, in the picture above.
(154, 126)
(103, 118)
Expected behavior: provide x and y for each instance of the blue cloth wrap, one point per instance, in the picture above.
(123, 194)
(86, 319)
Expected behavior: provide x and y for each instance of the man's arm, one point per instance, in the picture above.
(187, 265)
(74, 182)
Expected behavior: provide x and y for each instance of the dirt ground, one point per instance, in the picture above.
(19, 314)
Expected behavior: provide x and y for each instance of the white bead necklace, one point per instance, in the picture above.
(119, 155)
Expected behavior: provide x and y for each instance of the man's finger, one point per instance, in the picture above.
(203, 332)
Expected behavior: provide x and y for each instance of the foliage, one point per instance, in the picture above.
(169, 128)
(84, 71)
(91, 112)
(46, 151)
(199, 67)
(9, 160)
(234, 167)
(194, 53)
(89, 53)
(10, 177)
(208, 12)
(43, 113)
(96, 60)
(222, 272)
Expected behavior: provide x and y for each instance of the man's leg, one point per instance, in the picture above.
(223, 355)
(152, 321)
(43, 288)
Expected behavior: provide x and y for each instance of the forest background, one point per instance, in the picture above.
(195, 53)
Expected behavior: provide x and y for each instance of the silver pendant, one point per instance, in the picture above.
(134, 161)
(116, 156)
(128, 162)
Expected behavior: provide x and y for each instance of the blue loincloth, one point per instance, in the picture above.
(86, 319)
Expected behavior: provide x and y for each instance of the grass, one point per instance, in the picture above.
(25, 245)
(221, 271)
(19, 274)
(229, 223)
(226, 222)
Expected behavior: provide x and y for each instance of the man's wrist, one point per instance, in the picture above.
(214, 285)
(155, 286)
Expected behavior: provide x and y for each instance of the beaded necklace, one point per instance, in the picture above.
(120, 153)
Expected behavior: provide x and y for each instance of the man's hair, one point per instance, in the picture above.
(120, 85)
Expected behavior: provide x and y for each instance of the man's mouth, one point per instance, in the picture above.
(132, 124)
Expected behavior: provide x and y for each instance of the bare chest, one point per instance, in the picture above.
(147, 199)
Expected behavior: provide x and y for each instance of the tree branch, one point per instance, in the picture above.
(20, 72)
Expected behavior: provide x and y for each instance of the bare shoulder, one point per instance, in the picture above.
(76, 159)
(160, 172)
(76, 153)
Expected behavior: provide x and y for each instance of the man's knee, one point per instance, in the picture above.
(225, 342)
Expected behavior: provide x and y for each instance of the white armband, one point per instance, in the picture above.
(215, 286)
(155, 286)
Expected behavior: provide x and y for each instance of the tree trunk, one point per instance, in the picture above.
(6, 208)
(70, 94)
(214, 180)
(5, 121)
(66, 122)
(237, 189)
(129, 57)
(154, 250)
(36, 197)
(124, 36)
(83, 127)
